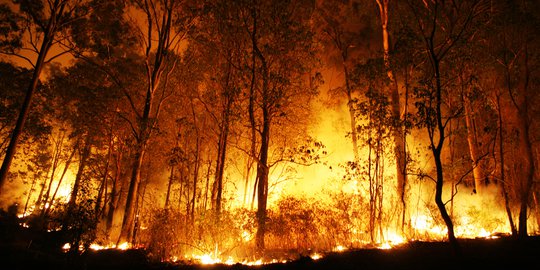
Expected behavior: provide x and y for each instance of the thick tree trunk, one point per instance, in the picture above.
(126, 232)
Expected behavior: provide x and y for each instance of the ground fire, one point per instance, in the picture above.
(257, 133)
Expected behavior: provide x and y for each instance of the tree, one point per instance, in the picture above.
(516, 62)
(44, 22)
(441, 25)
(221, 42)
(398, 130)
(168, 21)
(281, 46)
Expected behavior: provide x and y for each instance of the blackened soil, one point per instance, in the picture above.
(502, 253)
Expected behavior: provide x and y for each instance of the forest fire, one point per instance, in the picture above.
(259, 132)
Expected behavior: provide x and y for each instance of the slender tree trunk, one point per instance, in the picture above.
(222, 152)
(171, 178)
(262, 187)
(85, 154)
(436, 147)
(155, 64)
(502, 165)
(115, 194)
(472, 139)
(56, 13)
(525, 140)
(398, 133)
(350, 106)
(23, 114)
(56, 159)
(68, 162)
(103, 185)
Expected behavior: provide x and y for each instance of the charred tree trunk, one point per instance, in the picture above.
(436, 148)
(504, 185)
(528, 162)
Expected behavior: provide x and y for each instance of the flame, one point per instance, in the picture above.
(316, 256)
(208, 259)
(122, 246)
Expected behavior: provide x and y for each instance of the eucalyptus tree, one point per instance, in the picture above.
(397, 115)
(160, 31)
(221, 42)
(515, 61)
(45, 24)
(281, 60)
(441, 25)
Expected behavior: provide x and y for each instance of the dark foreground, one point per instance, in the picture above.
(502, 253)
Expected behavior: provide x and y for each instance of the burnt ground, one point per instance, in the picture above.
(26, 251)
(23, 248)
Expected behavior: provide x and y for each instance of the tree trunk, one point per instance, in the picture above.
(350, 106)
(56, 159)
(68, 162)
(528, 174)
(436, 147)
(115, 194)
(262, 187)
(525, 140)
(222, 152)
(502, 165)
(78, 178)
(168, 195)
(126, 231)
(56, 12)
(472, 139)
(398, 133)
(23, 114)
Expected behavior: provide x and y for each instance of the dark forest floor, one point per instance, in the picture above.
(501, 253)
